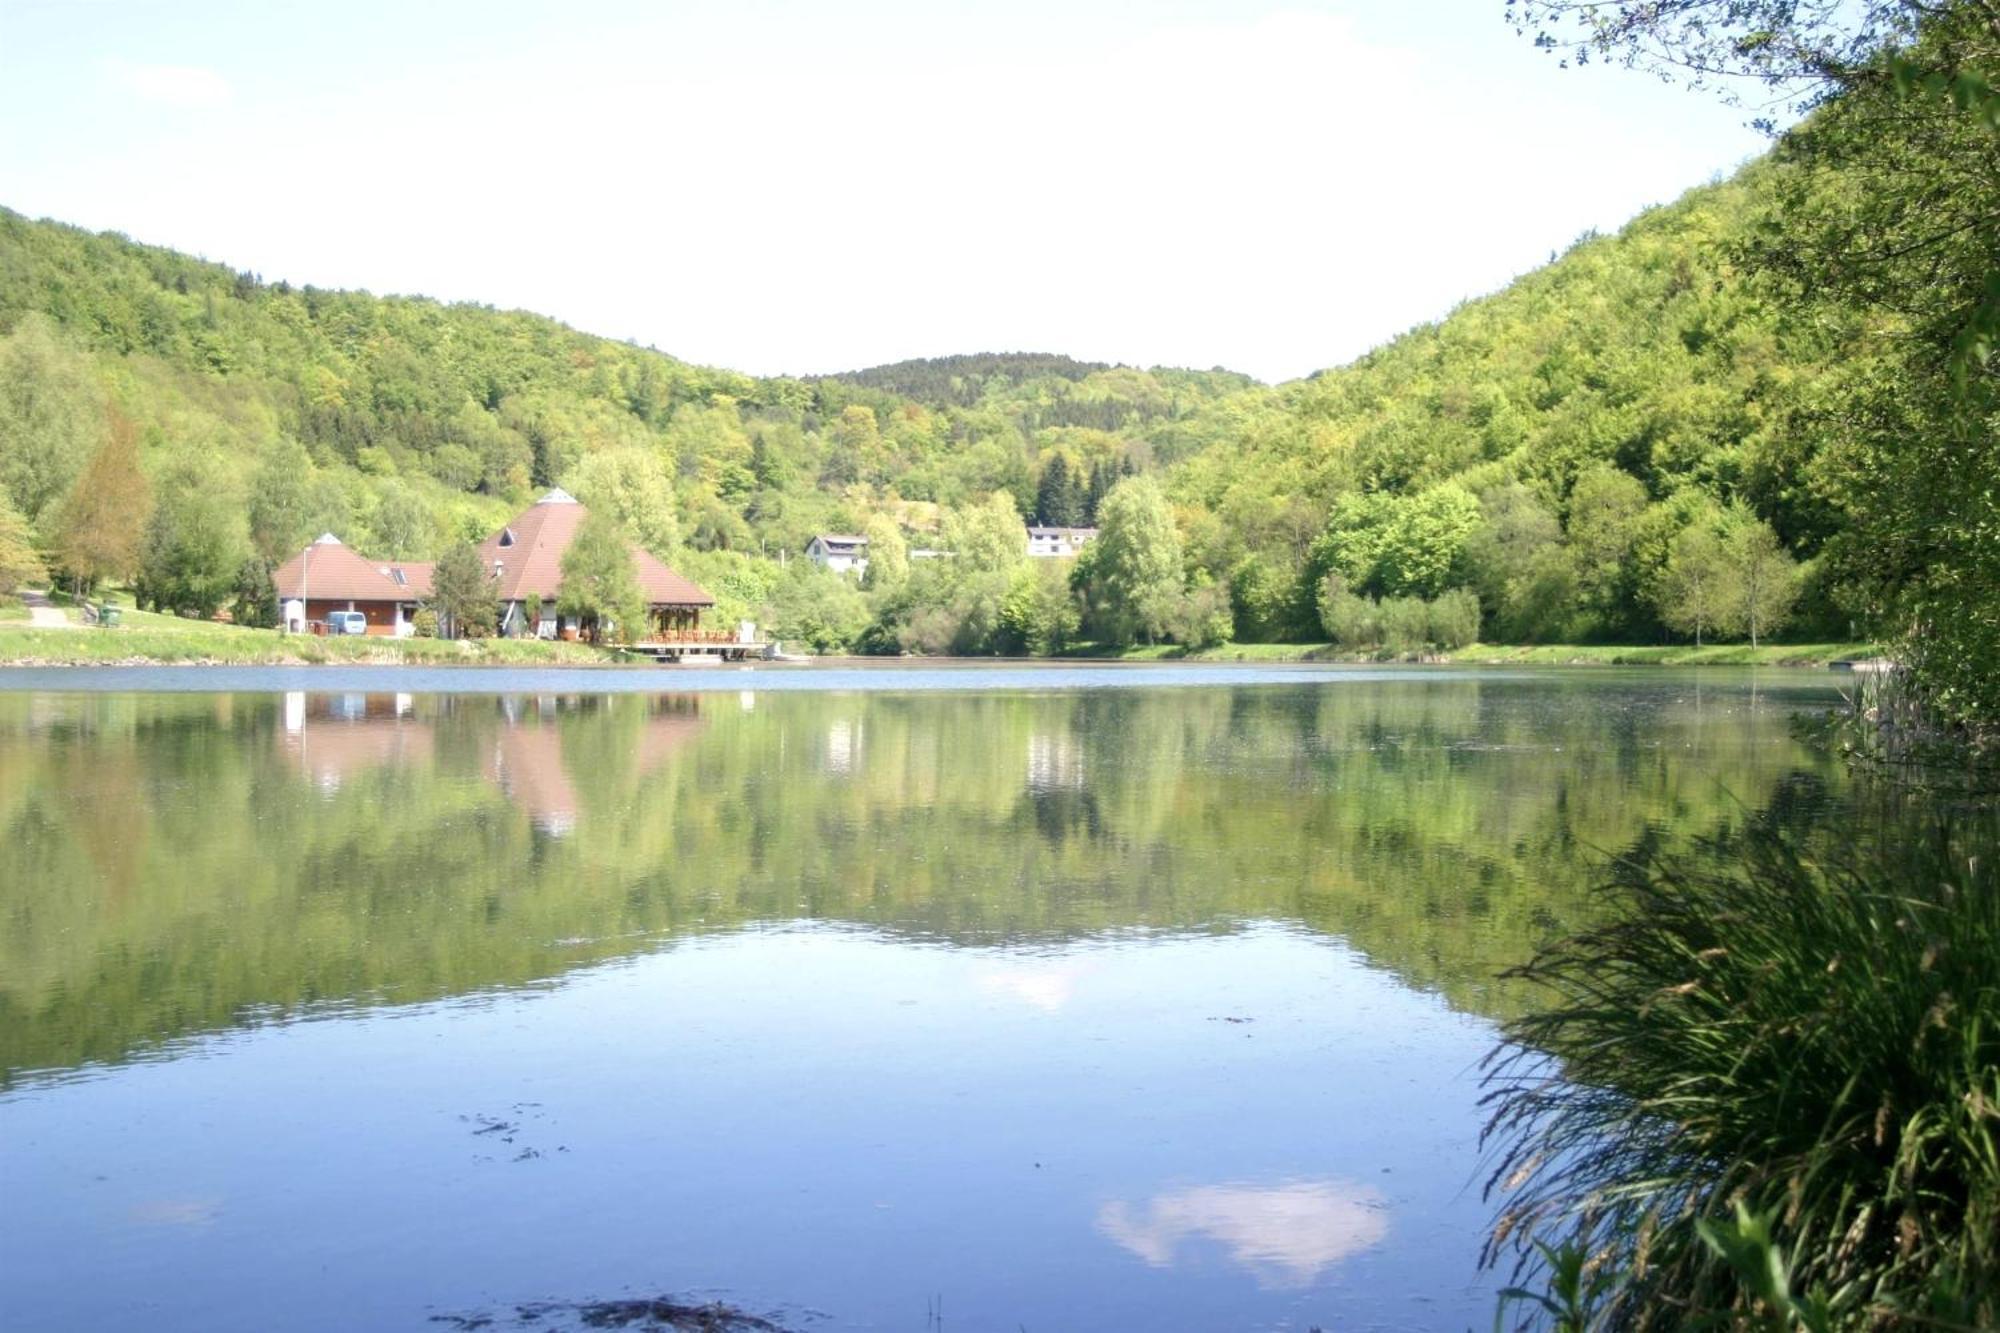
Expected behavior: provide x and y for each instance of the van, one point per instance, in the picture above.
(346, 622)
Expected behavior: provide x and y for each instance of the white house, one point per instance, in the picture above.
(1058, 543)
(840, 553)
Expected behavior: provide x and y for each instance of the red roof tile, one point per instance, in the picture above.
(528, 553)
(330, 571)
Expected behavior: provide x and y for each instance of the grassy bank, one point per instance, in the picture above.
(142, 636)
(1717, 654)
(1548, 654)
(162, 639)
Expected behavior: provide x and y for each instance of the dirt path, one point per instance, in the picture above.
(43, 615)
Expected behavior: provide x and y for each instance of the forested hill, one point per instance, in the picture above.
(1545, 445)
(963, 379)
(405, 424)
(1567, 451)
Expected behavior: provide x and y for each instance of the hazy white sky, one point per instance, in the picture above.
(788, 187)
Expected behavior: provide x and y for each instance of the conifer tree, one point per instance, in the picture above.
(464, 593)
(1056, 499)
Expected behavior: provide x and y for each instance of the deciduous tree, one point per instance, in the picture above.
(1763, 582)
(100, 525)
(51, 416)
(465, 595)
(633, 485)
(401, 527)
(290, 503)
(987, 537)
(20, 566)
(600, 582)
(1039, 614)
(1605, 505)
(888, 553)
(197, 541)
(1697, 591)
(1132, 571)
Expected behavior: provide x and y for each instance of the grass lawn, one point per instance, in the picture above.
(145, 637)
(1715, 654)
(1549, 654)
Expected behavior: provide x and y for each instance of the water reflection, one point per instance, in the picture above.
(1285, 1235)
(184, 862)
(182, 1213)
(1047, 987)
(332, 737)
(350, 733)
(809, 1000)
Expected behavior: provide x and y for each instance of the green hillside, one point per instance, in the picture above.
(1556, 434)
(962, 380)
(1661, 436)
(1545, 443)
(405, 424)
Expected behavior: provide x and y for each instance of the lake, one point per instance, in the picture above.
(987, 998)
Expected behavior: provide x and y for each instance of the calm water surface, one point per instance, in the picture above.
(980, 999)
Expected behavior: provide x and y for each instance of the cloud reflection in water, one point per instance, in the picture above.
(1047, 987)
(1286, 1235)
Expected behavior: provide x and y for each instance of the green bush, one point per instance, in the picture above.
(424, 624)
(1203, 619)
(1454, 619)
(1770, 1084)
(1405, 623)
(1350, 620)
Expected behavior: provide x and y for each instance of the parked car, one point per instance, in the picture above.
(346, 622)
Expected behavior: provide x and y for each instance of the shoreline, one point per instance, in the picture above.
(201, 645)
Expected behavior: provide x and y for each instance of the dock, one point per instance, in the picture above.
(701, 647)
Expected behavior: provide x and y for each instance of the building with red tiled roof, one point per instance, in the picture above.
(329, 576)
(526, 559)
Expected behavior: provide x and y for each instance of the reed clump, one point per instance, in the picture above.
(1890, 727)
(1767, 1093)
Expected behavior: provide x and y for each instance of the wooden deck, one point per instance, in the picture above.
(700, 647)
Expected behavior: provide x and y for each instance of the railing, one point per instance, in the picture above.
(719, 637)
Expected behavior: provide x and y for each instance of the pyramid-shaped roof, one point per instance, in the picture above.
(528, 554)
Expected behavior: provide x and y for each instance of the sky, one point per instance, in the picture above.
(788, 188)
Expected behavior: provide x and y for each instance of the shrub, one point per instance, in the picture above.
(1405, 623)
(1203, 618)
(424, 624)
(1772, 1080)
(1349, 620)
(1454, 619)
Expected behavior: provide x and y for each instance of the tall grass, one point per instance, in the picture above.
(1767, 1093)
(1889, 727)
